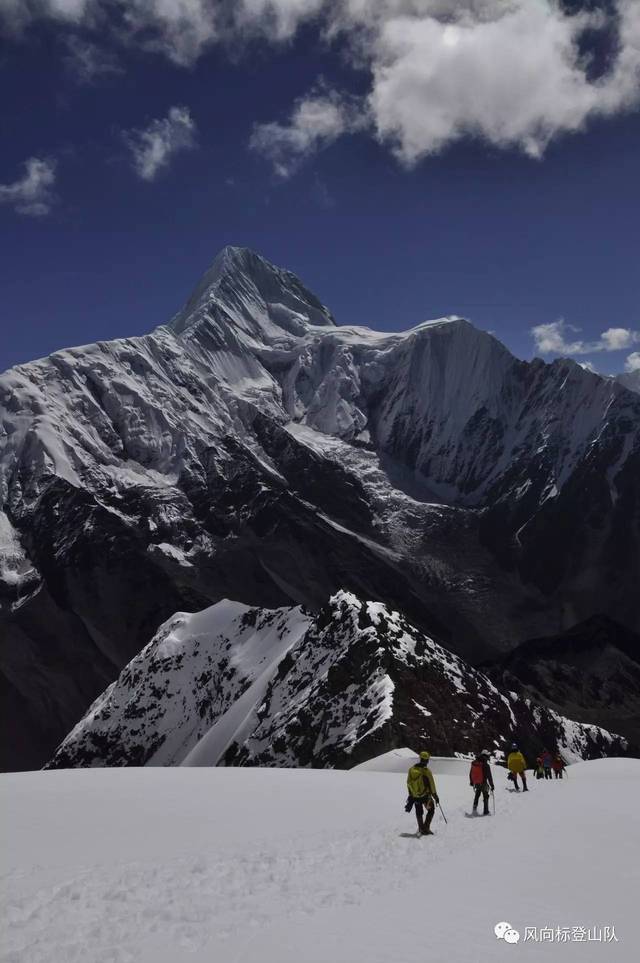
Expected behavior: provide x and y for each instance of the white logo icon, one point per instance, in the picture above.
(505, 931)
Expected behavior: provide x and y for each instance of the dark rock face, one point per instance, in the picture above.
(253, 450)
(42, 686)
(591, 672)
(240, 686)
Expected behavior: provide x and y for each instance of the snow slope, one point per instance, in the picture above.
(305, 866)
(234, 685)
(199, 668)
(397, 760)
(252, 449)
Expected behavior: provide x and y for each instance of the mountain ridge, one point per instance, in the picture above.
(591, 670)
(260, 456)
(234, 685)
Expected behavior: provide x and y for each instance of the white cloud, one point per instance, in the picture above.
(278, 20)
(153, 147)
(616, 339)
(181, 30)
(556, 337)
(32, 194)
(87, 61)
(15, 15)
(551, 339)
(511, 72)
(632, 362)
(315, 122)
(508, 71)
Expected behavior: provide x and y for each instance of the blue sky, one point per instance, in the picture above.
(419, 159)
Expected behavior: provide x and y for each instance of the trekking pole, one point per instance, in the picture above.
(493, 797)
(440, 808)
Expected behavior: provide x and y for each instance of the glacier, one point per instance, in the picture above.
(251, 448)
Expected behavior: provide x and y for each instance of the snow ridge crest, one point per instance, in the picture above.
(249, 289)
(233, 685)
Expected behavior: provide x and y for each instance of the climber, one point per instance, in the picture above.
(516, 764)
(558, 765)
(547, 761)
(422, 791)
(481, 780)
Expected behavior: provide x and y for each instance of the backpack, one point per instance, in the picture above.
(477, 773)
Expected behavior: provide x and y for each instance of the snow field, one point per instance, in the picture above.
(247, 865)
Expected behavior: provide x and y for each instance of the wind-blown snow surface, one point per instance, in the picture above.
(239, 686)
(252, 449)
(307, 866)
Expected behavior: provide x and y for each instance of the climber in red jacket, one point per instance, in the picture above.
(481, 780)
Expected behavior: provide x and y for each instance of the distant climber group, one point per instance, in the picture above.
(546, 763)
(421, 785)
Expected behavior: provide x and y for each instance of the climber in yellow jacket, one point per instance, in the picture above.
(516, 764)
(422, 793)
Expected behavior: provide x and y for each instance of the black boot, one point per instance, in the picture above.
(426, 831)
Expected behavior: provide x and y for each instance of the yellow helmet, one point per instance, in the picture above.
(425, 756)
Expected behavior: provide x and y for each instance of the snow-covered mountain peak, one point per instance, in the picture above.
(450, 321)
(254, 297)
(252, 449)
(233, 685)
